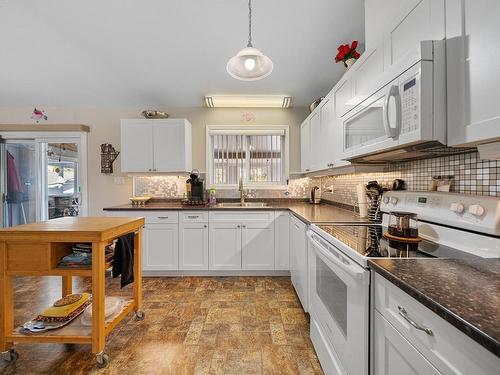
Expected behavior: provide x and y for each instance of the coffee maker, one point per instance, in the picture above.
(195, 188)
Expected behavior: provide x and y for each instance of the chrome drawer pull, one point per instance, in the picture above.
(193, 217)
(405, 316)
(162, 217)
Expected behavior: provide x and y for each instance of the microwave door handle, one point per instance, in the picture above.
(390, 131)
(348, 268)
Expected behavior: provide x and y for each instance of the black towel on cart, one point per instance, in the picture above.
(123, 263)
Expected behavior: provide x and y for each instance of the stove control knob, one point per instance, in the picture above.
(394, 201)
(476, 210)
(386, 200)
(457, 207)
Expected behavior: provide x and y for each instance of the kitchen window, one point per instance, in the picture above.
(258, 154)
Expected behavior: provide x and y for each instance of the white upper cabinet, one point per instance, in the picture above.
(343, 94)
(316, 141)
(305, 146)
(136, 146)
(156, 145)
(329, 132)
(419, 20)
(473, 72)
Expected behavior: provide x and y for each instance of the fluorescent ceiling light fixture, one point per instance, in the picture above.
(249, 64)
(248, 101)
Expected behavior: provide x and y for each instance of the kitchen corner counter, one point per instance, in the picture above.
(308, 213)
(464, 292)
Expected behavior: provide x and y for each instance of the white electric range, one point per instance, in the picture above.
(452, 226)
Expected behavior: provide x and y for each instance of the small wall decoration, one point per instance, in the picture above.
(108, 156)
(348, 55)
(38, 114)
(247, 116)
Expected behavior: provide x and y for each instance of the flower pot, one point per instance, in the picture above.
(348, 63)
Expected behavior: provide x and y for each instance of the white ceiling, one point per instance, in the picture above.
(166, 53)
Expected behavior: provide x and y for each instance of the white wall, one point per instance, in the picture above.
(105, 128)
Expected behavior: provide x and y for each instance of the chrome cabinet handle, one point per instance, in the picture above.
(238, 226)
(205, 226)
(193, 217)
(389, 131)
(243, 226)
(162, 217)
(404, 315)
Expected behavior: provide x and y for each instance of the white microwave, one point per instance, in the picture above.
(404, 119)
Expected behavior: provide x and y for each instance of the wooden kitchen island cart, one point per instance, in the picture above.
(36, 249)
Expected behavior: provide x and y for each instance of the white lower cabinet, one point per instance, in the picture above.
(257, 246)
(409, 336)
(394, 355)
(193, 246)
(282, 240)
(298, 260)
(225, 246)
(160, 247)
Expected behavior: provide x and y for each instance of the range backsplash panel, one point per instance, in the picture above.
(470, 176)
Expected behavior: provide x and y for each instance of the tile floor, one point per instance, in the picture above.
(193, 325)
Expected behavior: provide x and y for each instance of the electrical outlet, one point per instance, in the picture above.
(119, 180)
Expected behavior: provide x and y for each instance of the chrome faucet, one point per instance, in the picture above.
(243, 193)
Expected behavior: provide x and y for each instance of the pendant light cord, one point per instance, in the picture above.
(249, 23)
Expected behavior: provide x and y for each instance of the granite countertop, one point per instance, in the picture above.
(310, 213)
(464, 292)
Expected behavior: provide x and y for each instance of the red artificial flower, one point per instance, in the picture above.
(346, 52)
(354, 44)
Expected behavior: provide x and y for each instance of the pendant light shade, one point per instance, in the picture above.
(249, 64)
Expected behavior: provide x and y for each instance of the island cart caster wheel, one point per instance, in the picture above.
(102, 360)
(139, 314)
(10, 355)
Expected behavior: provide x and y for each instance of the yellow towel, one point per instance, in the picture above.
(63, 311)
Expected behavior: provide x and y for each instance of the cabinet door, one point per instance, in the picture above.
(161, 247)
(473, 74)
(193, 246)
(225, 246)
(343, 94)
(257, 245)
(136, 146)
(169, 146)
(329, 133)
(419, 20)
(282, 241)
(299, 271)
(305, 146)
(316, 141)
(393, 355)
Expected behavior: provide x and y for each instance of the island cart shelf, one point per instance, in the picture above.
(36, 249)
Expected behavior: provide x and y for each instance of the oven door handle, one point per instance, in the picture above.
(351, 268)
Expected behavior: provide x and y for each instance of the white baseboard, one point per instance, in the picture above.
(213, 273)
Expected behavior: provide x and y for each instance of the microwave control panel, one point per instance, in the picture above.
(409, 103)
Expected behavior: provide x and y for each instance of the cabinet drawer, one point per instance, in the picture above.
(240, 216)
(448, 349)
(193, 216)
(160, 217)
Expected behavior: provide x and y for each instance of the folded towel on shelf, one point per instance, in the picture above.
(123, 262)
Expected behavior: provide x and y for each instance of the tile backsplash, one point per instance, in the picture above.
(171, 187)
(469, 174)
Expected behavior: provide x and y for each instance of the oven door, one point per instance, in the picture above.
(374, 124)
(339, 292)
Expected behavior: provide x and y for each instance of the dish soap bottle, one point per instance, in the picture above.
(212, 199)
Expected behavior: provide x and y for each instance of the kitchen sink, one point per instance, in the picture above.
(244, 205)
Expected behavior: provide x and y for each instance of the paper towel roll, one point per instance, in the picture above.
(362, 200)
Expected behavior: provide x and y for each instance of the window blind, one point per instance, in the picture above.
(258, 158)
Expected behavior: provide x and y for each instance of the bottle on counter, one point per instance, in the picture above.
(212, 198)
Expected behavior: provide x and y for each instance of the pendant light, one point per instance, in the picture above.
(249, 64)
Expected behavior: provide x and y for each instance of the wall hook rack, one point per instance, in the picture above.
(108, 156)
